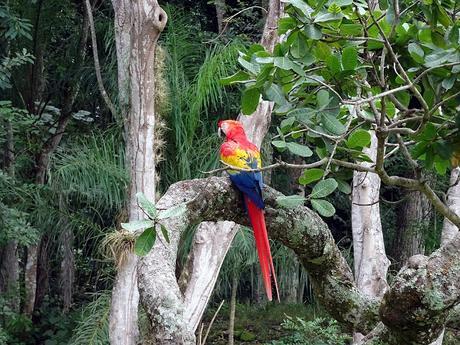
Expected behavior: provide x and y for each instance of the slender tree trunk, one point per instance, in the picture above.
(413, 219)
(370, 260)
(67, 273)
(449, 230)
(9, 261)
(231, 322)
(138, 25)
(220, 13)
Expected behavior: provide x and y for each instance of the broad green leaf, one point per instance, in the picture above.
(322, 51)
(333, 63)
(351, 29)
(173, 212)
(285, 24)
(359, 138)
(164, 231)
(416, 52)
(303, 115)
(287, 123)
(137, 225)
(145, 242)
(429, 132)
(146, 205)
(280, 144)
(441, 166)
(343, 186)
(322, 98)
(299, 47)
(349, 58)
(301, 5)
(250, 100)
(290, 201)
(275, 93)
(299, 150)
(332, 124)
(311, 175)
(251, 67)
(313, 32)
(419, 149)
(283, 63)
(323, 188)
(324, 207)
(238, 77)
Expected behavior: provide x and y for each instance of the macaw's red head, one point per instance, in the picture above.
(231, 128)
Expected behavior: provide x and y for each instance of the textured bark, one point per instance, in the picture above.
(67, 274)
(30, 279)
(138, 25)
(414, 310)
(210, 245)
(449, 230)
(9, 274)
(300, 229)
(370, 260)
(220, 12)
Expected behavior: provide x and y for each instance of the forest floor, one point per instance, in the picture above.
(255, 324)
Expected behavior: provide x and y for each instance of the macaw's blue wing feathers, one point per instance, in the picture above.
(250, 184)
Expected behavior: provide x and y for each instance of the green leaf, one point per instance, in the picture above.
(359, 138)
(290, 201)
(428, 133)
(419, 149)
(164, 231)
(313, 32)
(250, 100)
(332, 124)
(324, 207)
(287, 123)
(322, 51)
(173, 212)
(275, 93)
(145, 242)
(299, 47)
(137, 225)
(351, 29)
(299, 150)
(283, 63)
(349, 58)
(146, 205)
(280, 144)
(303, 115)
(301, 5)
(251, 67)
(311, 175)
(322, 98)
(238, 77)
(416, 52)
(441, 166)
(343, 186)
(333, 63)
(285, 24)
(323, 188)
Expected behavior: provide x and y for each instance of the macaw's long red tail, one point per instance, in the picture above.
(256, 215)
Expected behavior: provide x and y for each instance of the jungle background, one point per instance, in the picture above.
(63, 181)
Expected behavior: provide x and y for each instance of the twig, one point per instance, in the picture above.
(212, 321)
(97, 66)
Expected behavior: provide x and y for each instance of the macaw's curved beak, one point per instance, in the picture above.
(219, 132)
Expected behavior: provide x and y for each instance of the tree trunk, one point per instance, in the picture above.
(138, 25)
(370, 261)
(220, 12)
(67, 274)
(9, 261)
(231, 322)
(175, 327)
(449, 230)
(413, 219)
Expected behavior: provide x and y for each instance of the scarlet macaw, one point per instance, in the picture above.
(239, 152)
